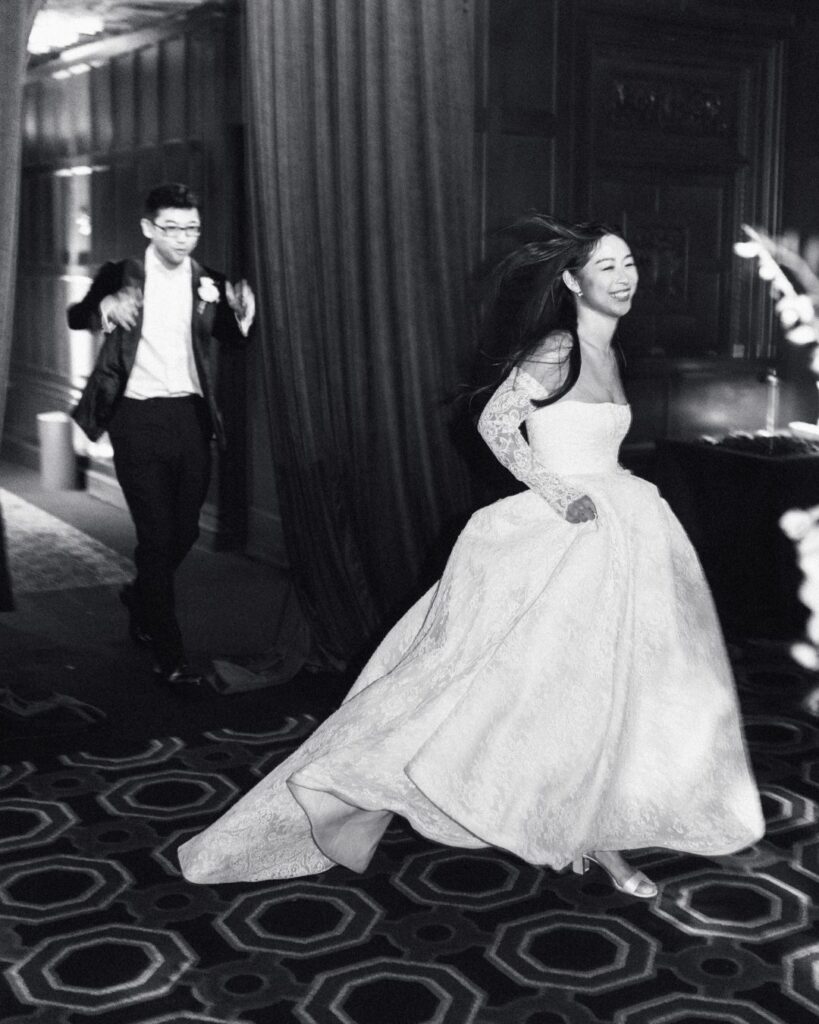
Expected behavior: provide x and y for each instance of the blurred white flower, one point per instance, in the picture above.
(804, 307)
(812, 630)
(808, 547)
(794, 309)
(787, 314)
(805, 655)
(796, 523)
(809, 594)
(811, 701)
(797, 315)
(801, 335)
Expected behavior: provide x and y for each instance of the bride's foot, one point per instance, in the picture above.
(623, 877)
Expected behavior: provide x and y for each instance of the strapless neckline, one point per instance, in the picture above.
(577, 401)
(565, 401)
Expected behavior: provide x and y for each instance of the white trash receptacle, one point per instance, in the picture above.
(58, 464)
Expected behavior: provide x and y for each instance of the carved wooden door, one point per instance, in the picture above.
(679, 145)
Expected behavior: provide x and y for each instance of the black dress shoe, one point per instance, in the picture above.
(138, 633)
(182, 679)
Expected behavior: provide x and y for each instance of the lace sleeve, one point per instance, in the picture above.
(499, 426)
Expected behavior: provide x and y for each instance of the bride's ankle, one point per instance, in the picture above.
(610, 859)
(622, 874)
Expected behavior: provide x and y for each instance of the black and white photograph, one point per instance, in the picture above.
(409, 511)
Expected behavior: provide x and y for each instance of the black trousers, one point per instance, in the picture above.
(162, 461)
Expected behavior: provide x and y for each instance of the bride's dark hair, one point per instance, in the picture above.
(524, 298)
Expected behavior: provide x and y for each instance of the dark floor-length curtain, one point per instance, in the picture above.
(361, 136)
(16, 17)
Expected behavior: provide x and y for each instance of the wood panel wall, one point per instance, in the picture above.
(675, 122)
(681, 119)
(103, 125)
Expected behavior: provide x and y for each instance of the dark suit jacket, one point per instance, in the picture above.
(109, 378)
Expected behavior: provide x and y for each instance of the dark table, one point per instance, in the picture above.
(730, 502)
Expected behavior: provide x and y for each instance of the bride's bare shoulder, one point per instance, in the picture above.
(549, 362)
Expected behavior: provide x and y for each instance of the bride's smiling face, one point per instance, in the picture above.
(608, 281)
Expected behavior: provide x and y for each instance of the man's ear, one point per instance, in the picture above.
(570, 282)
(147, 227)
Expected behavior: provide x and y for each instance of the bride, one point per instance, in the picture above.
(563, 692)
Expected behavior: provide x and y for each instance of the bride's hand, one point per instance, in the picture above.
(581, 510)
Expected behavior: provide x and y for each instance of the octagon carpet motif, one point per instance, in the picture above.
(96, 923)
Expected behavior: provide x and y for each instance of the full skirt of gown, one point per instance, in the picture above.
(562, 689)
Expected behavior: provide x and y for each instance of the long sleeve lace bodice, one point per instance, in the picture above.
(499, 426)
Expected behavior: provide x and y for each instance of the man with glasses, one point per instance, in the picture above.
(151, 389)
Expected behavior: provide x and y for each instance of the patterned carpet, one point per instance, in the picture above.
(45, 553)
(98, 925)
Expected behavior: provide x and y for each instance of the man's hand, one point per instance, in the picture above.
(581, 510)
(121, 309)
(242, 301)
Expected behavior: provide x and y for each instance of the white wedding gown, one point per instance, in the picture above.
(563, 688)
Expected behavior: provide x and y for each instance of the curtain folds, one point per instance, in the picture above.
(16, 17)
(361, 141)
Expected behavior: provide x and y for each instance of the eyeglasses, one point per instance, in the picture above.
(176, 231)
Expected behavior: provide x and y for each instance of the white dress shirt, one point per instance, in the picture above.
(164, 366)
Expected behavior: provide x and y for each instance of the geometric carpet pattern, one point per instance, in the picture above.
(96, 923)
(44, 553)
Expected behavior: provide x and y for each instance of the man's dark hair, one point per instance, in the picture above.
(171, 195)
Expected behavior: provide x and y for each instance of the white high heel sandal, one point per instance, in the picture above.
(580, 865)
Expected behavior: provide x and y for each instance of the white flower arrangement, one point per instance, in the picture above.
(802, 526)
(796, 311)
(797, 314)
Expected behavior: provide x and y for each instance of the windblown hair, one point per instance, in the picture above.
(525, 298)
(171, 195)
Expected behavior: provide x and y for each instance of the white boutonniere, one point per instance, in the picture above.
(208, 292)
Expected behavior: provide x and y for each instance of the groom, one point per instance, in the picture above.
(151, 389)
